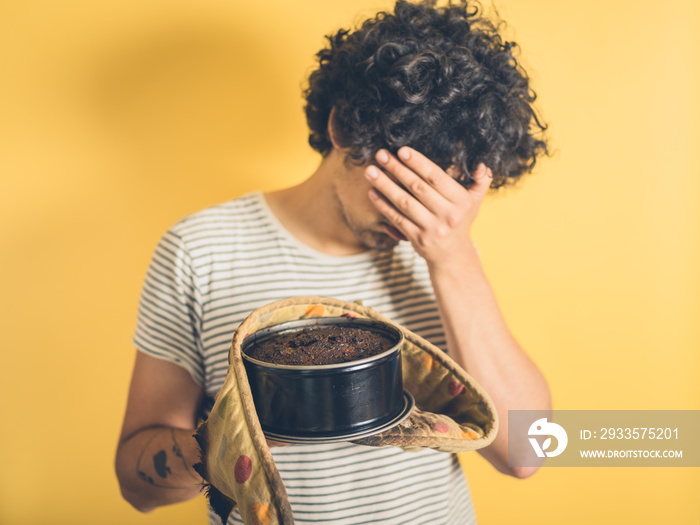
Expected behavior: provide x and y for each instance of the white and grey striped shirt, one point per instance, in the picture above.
(213, 268)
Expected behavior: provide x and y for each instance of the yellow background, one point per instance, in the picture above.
(118, 117)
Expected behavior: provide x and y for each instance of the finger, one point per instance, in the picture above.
(423, 189)
(394, 216)
(405, 203)
(431, 173)
(483, 177)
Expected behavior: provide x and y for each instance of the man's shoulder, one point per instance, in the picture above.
(222, 217)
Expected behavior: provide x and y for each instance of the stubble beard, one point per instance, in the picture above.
(372, 240)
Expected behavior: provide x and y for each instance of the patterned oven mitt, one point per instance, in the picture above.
(452, 414)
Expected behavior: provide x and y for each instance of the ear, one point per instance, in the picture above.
(331, 131)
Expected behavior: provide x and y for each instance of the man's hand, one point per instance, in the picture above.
(428, 206)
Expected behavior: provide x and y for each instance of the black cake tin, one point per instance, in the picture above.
(328, 403)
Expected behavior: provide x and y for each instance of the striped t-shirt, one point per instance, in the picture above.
(213, 268)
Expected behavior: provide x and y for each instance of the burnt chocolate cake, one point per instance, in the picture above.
(322, 345)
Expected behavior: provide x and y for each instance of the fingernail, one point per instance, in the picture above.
(372, 172)
(382, 156)
(483, 170)
(405, 153)
(373, 194)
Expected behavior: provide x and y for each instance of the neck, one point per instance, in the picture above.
(312, 214)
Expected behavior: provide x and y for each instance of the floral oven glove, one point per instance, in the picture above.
(452, 414)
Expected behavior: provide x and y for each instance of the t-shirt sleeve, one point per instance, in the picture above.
(169, 316)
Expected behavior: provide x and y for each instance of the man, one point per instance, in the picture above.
(416, 115)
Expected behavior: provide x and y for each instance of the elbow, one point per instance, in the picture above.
(519, 472)
(500, 462)
(522, 472)
(135, 500)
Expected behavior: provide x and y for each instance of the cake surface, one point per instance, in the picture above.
(322, 345)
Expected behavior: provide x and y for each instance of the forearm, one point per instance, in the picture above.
(154, 467)
(479, 340)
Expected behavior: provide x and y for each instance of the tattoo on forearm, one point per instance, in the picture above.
(160, 464)
(178, 452)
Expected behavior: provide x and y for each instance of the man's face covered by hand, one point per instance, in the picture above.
(370, 227)
(410, 199)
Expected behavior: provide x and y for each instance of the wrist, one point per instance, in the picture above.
(458, 263)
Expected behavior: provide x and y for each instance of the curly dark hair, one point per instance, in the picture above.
(438, 79)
